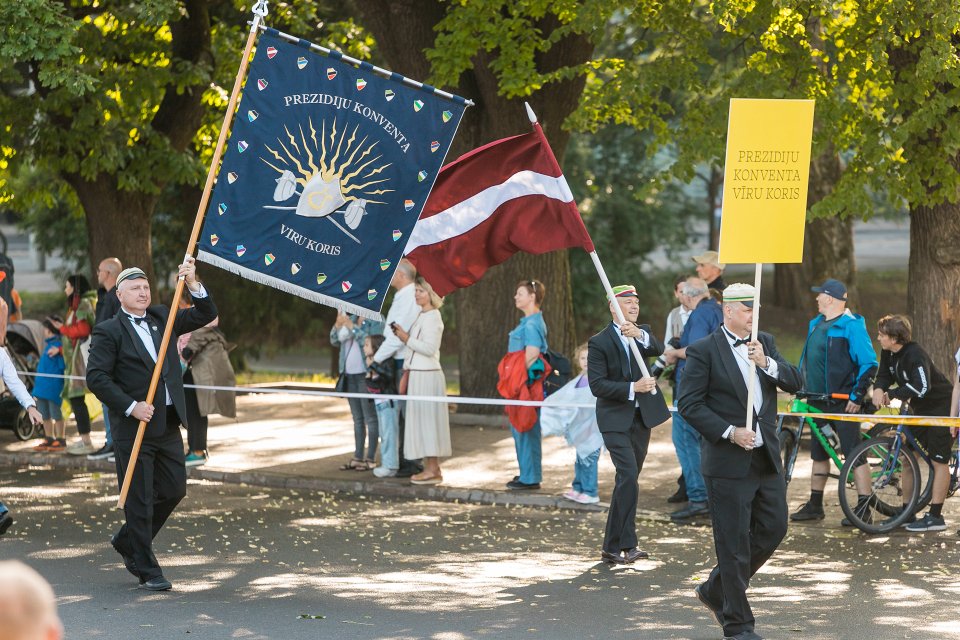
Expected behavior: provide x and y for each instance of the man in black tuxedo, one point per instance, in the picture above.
(626, 411)
(742, 467)
(122, 358)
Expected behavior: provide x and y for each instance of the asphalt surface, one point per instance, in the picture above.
(250, 562)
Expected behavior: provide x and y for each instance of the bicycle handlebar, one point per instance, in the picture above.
(822, 396)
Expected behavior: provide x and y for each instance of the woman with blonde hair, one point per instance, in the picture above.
(428, 423)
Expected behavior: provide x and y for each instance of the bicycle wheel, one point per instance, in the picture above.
(925, 466)
(887, 507)
(882, 430)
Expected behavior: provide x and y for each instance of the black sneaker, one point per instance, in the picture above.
(927, 523)
(678, 497)
(516, 485)
(102, 453)
(807, 512)
(863, 513)
(410, 469)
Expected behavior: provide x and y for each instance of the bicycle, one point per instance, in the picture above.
(888, 464)
(790, 437)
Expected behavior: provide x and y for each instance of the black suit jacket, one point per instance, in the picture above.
(611, 376)
(120, 367)
(713, 396)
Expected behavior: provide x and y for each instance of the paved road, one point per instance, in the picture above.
(250, 563)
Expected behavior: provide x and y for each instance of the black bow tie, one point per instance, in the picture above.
(136, 319)
(740, 341)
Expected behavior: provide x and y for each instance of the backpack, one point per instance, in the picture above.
(560, 375)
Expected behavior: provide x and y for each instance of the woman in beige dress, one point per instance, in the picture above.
(428, 423)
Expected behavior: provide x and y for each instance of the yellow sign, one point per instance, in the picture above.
(765, 180)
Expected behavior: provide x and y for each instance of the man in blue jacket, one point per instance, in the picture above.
(706, 316)
(838, 358)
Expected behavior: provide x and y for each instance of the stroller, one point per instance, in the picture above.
(24, 340)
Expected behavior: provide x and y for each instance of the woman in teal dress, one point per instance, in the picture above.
(529, 336)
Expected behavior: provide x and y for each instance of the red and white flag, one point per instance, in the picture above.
(504, 197)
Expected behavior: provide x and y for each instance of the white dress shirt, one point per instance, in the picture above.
(13, 381)
(403, 310)
(742, 356)
(625, 341)
(143, 331)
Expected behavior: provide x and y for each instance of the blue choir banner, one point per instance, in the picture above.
(327, 169)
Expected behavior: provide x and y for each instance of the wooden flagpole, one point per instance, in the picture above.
(260, 12)
(600, 270)
(753, 338)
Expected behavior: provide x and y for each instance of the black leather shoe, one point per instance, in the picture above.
(516, 485)
(5, 521)
(127, 558)
(156, 584)
(807, 512)
(409, 468)
(632, 555)
(611, 558)
(678, 497)
(716, 610)
(691, 511)
(744, 635)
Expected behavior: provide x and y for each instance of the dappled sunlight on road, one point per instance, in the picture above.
(483, 580)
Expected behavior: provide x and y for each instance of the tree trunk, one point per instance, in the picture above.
(404, 29)
(934, 280)
(118, 223)
(828, 250)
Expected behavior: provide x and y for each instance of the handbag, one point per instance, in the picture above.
(341, 385)
(404, 381)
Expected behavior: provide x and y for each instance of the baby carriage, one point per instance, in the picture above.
(24, 340)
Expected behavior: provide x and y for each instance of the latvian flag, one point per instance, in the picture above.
(487, 205)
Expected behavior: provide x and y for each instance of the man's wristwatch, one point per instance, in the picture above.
(730, 437)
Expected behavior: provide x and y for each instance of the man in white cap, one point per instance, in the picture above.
(123, 354)
(741, 467)
(711, 269)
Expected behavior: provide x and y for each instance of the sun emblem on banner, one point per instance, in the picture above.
(332, 173)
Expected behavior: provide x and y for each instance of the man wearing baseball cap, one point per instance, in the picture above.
(123, 355)
(711, 269)
(837, 358)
